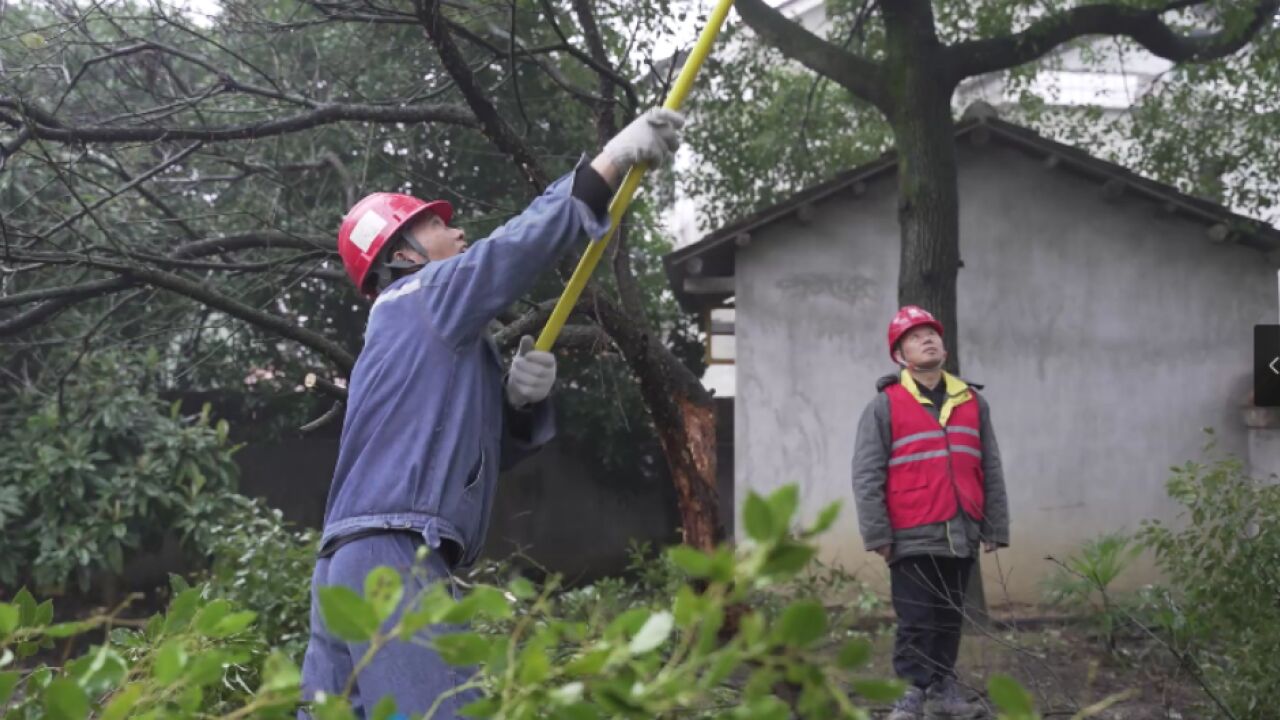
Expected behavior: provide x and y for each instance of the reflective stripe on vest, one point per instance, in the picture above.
(933, 471)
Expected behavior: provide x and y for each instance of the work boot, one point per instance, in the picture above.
(910, 706)
(945, 699)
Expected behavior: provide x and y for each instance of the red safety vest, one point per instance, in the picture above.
(933, 470)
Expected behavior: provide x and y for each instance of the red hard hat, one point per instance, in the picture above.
(909, 317)
(375, 220)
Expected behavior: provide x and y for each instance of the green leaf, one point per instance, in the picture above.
(67, 629)
(431, 609)
(181, 610)
(881, 691)
(383, 590)
(691, 560)
(206, 668)
(122, 703)
(170, 661)
(460, 649)
(533, 667)
(27, 604)
(522, 588)
(1009, 695)
(721, 668)
(758, 519)
(787, 559)
(347, 615)
(64, 700)
(98, 672)
(825, 520)
(483, 600)
(233, 624)
(722, 566)
(589, 663)
(210, 615)
(8, 681)
(44, 614)
(10, 617)
(279, 674)
(803, 623)
(627, 623)
(178, 584)
(686, 607)
(854, 654)
(578, 711)
(782, 504)
(652, 634)
(386, 707)
(764, 708)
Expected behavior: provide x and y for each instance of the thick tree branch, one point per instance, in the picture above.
(1144, 27)
(250, 241)
(74, 293)
(856, 74)
(209, 297)
(43, 125)
(55, 300)
(491, 122)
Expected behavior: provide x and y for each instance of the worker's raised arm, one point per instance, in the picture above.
(466, 292)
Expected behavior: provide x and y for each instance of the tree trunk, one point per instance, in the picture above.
(684, 416)
(928, 187)
(928, 201)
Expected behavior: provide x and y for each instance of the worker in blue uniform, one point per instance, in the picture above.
(432, 413)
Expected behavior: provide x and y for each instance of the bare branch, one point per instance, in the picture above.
(169, 162)
(858, 75)
(47, 127)
(1144, 27)
(491, 122)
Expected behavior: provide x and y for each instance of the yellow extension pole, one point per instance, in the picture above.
(622, 200)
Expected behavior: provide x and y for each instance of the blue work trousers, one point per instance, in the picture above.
(411, 673)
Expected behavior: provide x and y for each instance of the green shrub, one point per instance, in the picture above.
(100, 470)
(700, 653)
(1082, 583)
(1222, 608)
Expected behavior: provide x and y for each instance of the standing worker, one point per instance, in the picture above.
(929, 490)
(430, 415)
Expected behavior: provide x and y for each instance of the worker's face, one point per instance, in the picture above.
(439, 240)
(922, 348)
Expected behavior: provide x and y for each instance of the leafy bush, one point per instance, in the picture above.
(699, 653)
(1222, 609)
(260, 563)
(1083, 581)
(100, 469)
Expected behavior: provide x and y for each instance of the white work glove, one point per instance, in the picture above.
(532, 374)
(652, 138)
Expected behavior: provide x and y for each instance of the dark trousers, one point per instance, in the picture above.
(928, 598)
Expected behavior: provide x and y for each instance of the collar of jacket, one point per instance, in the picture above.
(957, 392)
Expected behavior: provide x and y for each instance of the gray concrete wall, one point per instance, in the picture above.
(1108, 336)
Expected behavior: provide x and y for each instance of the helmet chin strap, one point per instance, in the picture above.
(389, 271)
